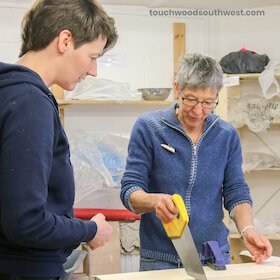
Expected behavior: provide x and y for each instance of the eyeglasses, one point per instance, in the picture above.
(205, 104)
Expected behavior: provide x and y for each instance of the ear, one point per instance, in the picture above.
(65, 39)
(176, 90)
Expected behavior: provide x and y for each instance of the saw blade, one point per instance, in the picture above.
(187, 252)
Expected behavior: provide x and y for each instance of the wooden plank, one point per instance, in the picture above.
(179, 46)
(250, 76)
(222, 108)
(264, 169)
(61, 116)
(246, 271)
(269, 236)
(67, 102)
(58, 92)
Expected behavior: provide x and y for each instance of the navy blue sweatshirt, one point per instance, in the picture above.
(37, 228)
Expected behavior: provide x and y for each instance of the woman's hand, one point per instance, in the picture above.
(104, 230)
(164, 207)
(258, 245)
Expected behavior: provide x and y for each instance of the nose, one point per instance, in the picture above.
(198, 108)
(92, 70)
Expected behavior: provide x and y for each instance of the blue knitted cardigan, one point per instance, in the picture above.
(206, 176)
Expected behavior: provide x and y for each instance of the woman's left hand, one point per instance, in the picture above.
(258, 245)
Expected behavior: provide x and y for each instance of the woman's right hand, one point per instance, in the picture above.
(104, 230)
(164, 207)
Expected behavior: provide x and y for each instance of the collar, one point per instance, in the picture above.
(169, 116)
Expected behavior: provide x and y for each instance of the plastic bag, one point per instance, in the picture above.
(89, 170)
(93, 88)
(267, 80)
(254, 111)
(244, 61)
(99, 162)
(113, 149)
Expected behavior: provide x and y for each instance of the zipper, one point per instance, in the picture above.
(193, 164)
(194, 161)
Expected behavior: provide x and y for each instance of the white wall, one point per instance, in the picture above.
(258, 33)
(147, 43)
(10, 20)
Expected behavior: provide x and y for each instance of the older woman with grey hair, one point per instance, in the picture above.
(189, 150)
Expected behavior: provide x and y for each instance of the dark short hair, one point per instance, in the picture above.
(85, 19)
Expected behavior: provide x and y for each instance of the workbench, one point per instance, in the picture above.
(244, 271)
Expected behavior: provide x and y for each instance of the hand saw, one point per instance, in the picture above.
(179, 233)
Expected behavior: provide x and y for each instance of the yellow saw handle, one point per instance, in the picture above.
(174, 229)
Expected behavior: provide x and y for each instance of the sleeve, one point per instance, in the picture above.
(27, 141)
(139, 162)
(235, 188)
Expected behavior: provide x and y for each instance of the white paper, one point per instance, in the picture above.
(231, 81)
(271, 259)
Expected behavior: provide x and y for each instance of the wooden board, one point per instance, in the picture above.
(250, 76)
(179, 48)
(67, 102)
(246, 271)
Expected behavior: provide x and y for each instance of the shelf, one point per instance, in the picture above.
(68, 102)
(63, 103)
(262, 169)
(273, 123)
(247, 77)
(268, 236)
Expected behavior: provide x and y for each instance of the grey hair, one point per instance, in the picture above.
(199, 71)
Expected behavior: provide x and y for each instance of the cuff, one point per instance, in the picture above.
(127, 198)
(231, 209)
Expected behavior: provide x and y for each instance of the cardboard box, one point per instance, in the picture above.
(105, 259)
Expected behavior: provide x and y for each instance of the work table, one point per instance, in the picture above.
(244, 271)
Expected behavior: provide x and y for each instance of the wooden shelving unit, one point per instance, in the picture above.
(269, 236)
(64, 103)
(234, 92)
(273, 123)
(71, 102)
(248, 77)
(227, 95)
(264, 169)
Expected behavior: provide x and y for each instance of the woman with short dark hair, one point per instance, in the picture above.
(61, 41)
